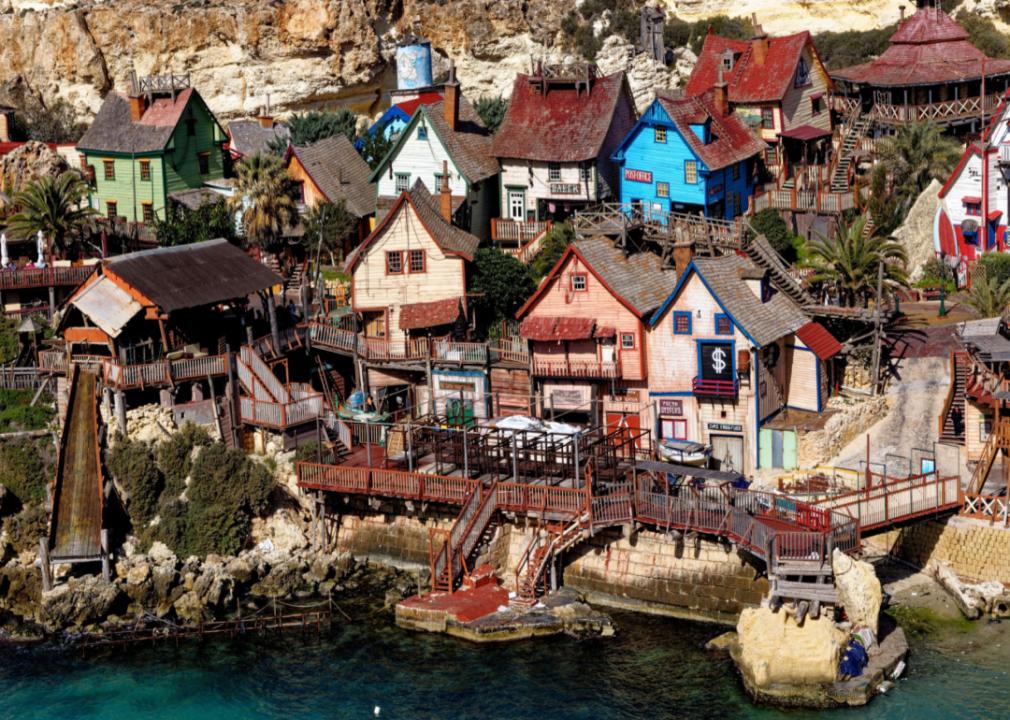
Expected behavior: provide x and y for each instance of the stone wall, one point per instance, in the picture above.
(975, 550)
(698, 579)
(389, 534)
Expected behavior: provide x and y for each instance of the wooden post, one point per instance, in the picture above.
(52, 301)
(47, 570)
(271, 308)
(121, 410)
(106, 569)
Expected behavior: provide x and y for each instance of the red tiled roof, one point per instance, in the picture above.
(561, 125)
(547, 328)
(430, 314)
(428, 98)
(166, 111)
(930, 47)
(816, 337)
(749, 82)
(732, 140)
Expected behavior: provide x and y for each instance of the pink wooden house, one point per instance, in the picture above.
(586, 324)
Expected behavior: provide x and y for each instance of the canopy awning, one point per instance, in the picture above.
(551, 327)
(805, 133)
(107, 305)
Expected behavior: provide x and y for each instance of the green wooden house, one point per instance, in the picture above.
(144, 146)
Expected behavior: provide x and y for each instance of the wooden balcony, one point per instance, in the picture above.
(413, 350)
(517, 232)
(44, 277)
(941, 111)
(817, 201)
(724, 389)
(567, 368)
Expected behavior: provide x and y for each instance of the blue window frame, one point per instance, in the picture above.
(723, 324)
(681, 322)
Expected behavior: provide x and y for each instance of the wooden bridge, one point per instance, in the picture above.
(78, 495)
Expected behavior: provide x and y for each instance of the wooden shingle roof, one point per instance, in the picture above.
(113, 130)
(339, 172)
(731, 140)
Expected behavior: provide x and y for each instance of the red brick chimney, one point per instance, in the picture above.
(450, 94)
(759, 43)
(138, 103)
(264, 115)
(445, 197)
(720, 95)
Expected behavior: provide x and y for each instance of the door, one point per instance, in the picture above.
(607, 350)
(459, 412)
(728, 451)
(626, 426)
(517, 204)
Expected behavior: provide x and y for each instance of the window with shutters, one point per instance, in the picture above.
(145, 170)
(110, 169)
(147, 211)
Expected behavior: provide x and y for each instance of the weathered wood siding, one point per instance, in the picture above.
(312, 195)
(516, 174)
(511, 391)
(558, 300)
(806, 384)
(797, 106)
(374, 289)
(421, 158)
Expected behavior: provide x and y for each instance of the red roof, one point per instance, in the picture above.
(816, 337)
(805, 132)
(732, 140)
(994, 214)
(166, 111)
(930, 47)
(562, 124)
(748, 81)
(548, 327)
(428, 98)
(430, 314)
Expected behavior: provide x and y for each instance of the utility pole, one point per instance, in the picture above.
(876, 331)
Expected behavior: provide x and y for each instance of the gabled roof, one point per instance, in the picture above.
(249, 137)
(469, 145)
(749, 82)
(190, 276)
(451, 239)
(725, 277)
(929, 47)
(562, 124)
(113, 130)
(731, 140)
(339, 172)
(638, 281)
(820, 341)
(107, 305)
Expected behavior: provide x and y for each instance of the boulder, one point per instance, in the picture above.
(284, 529)
(241, 570)
(916, 232)
(283, 579)
(772, 651)
(972, 599)
(189, 607)
(161, 555)
(858, 590)
(78, 602)
(214, 588)
(27, 164)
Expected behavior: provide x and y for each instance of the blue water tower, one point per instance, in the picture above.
(413, 64)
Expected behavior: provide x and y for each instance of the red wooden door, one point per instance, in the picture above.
(629, 425)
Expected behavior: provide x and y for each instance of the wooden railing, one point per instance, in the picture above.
(162, 372)
(948, 401)
(518, 231)
(28, 311)
(44, 277)
(715, 388)
(941, 110)
(822, 201)
(280, 415)
(413, 350)
(986, 507)
(897, 500)
(512, 350)
(260, 376)
(998, 439)
(465, 353)
(575, 368)
(613, 218)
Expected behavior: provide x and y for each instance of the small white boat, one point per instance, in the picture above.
(684, 452)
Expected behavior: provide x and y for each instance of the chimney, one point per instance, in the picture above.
(5, 124)
(901, 13)
(136, 99)
(759, 44)
(450, 94)
(445, 197)
(720, 95)
(683, 253)
(264, 116)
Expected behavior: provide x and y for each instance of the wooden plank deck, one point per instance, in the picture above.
(77, 503)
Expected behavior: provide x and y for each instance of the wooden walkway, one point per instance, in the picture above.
(77, 499)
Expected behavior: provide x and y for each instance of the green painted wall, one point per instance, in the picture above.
(175, 169)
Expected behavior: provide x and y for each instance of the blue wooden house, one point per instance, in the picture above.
(689, 155)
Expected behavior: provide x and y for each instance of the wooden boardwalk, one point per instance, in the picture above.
(77, 500)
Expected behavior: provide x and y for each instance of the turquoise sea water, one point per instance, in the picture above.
(654, 668)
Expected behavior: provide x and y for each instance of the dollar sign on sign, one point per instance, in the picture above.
(719, 360)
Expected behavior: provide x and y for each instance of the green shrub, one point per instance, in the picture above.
(16, 412)
(25, 528)
(217, 528)
(25, 468)
(307, 452)
(132, 464)
(851, 47)
(769, 223)
(171, 527)
(9, 341)
(558, 238)
(175, 457)
(996, 266)
(491, 110)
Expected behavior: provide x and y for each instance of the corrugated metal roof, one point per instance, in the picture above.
(107, 305)
(189, 276)
(430, 314)
(549, 327)
(816, 337)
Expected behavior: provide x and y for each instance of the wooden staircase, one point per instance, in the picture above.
(547, 543)
(857, 130)
(999, 439)
(450, 554)
(950, 431)
(762, 254)
(807, 584)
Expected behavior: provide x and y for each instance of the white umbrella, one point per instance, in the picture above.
(4, 259)
(40, 244)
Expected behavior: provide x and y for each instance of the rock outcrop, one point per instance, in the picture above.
(858, 590)
(28, 163)
(974, 599)
(916, 233)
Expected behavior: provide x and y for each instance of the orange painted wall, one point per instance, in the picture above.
(297, 172)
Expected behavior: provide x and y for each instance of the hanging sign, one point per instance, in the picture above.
(669, 406)
(716, 361)
(725, 427)
(565, 188)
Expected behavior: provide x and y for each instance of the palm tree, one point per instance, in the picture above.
(54, 206)
(264, 197)
(849, 261)
(987, 295)
(915, 155)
